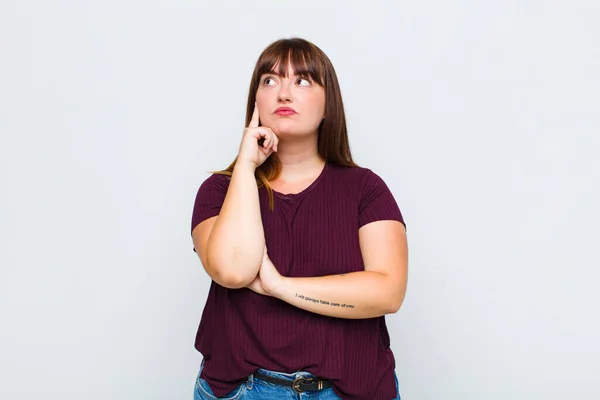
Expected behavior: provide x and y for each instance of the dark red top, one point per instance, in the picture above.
(312, 233)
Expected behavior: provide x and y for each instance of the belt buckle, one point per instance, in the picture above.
(298, 381)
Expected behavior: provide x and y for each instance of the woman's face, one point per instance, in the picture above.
(290, 106)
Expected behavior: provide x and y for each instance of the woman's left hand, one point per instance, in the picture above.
(268, 280)
(256, 286)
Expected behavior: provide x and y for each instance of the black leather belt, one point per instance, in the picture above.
(299, 385)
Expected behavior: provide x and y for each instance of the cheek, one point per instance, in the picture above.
(260, 98)
(318, 99)
(319, 107)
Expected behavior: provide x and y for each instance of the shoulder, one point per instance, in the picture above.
(219, 179)
(213, 189)
(209, 198)
(360, 179)
(215, 181)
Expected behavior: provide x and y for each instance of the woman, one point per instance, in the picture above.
(307, 251)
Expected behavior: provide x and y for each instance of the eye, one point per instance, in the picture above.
(303, 82)
(268, 81)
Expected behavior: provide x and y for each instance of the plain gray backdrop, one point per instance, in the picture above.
(482, 117)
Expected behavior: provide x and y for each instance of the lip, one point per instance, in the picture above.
(285, 111)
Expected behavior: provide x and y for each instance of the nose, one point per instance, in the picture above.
(284, 94)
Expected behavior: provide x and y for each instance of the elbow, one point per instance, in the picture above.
(393, 308)
(232, 281)
(230, 267)
(228, 278)
(231, 273)
(394, 305)
(396, 293)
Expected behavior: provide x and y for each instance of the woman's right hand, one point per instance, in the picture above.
(250, 150)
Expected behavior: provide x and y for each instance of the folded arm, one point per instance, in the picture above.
(230, 245)
(376, 291)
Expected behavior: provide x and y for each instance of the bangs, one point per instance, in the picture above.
(304, 59)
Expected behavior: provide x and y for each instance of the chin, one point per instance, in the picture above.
(291, 133)
(292, 130)
(285, 128)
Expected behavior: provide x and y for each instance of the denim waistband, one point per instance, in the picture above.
(291, 376)
(283, 375)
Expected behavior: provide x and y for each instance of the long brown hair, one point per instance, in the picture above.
(305, 59)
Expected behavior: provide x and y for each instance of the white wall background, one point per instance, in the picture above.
(483, 117)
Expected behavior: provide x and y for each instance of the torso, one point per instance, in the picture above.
(311, 231)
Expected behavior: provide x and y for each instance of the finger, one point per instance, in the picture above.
(255, 117)
(259, 132)
(274, 139)
(268, 140)
(266, 152)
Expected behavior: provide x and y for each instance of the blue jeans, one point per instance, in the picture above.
(257, 389)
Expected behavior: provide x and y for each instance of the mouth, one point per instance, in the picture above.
(285, 111)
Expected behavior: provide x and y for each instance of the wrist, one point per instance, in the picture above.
(282, 289)
(245, 166)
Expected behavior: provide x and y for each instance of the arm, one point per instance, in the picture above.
(376, 291)
(232, 243)
(235, 237)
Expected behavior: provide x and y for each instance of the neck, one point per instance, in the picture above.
(299, 160)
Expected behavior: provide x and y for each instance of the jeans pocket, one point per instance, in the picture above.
(204, 392)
